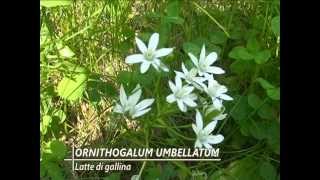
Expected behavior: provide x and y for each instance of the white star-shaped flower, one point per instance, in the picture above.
(204, 137)
(181, 94)
(216, 92)
(130, 104)
(204, 63)
(191, 77)
(149, 55)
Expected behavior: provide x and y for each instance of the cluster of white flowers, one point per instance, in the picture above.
(200, 77)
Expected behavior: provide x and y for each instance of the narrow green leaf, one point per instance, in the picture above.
(54, 3)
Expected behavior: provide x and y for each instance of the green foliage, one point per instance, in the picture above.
(54, 3)
(275, 25)
(54, 152)
(72, 88)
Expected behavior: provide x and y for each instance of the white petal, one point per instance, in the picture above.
(156, 63)
(188, 89)
(153, 41)
(222, 90)
(193, 96)
(163, 52)
(178, 82)
(210, 127)
(135, 58)
(181, 106)
(184, 69)
(118, 109)
(172, 86)
(144, 66)
(134, 98)
(164, 67)
(144, 104)
(226, 97)
(195, 129)
(140, 113)
(215, 70)
(217, 103)
(171, 98)
(123, 96)
(211, 58)
(136, 88)
(189, 102)
(220, 117)
(208, 146)
(141, 46)
(215, 139)
(198, 144)
(180, 74)
(155, 66)
(202, 55)
(199, 121)
(193, 59)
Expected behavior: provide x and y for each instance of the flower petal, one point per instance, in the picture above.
(211, 58)
(202, 55)
(155, 66)
(172, 86)
(197, 144)
(164, 67)
(208, 146)
(215, 70)
(189, 102)
(199, 121)
(188, 89)
(193, 59)
(153, 41)
(134, 98)
(222, 90)
(141, 46)
(184, 69)
(215, 139)
(144, 66)
(220, 117)
(210, 127)
(178, 82)
(123, 96)
(140, 113)
(180, 74)
(163, 52)
(118, 109)
(144, 104)
(217, 103)
(135, 58)
(195, 129)
(226, 97)
(171, 98)
(181, 106)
